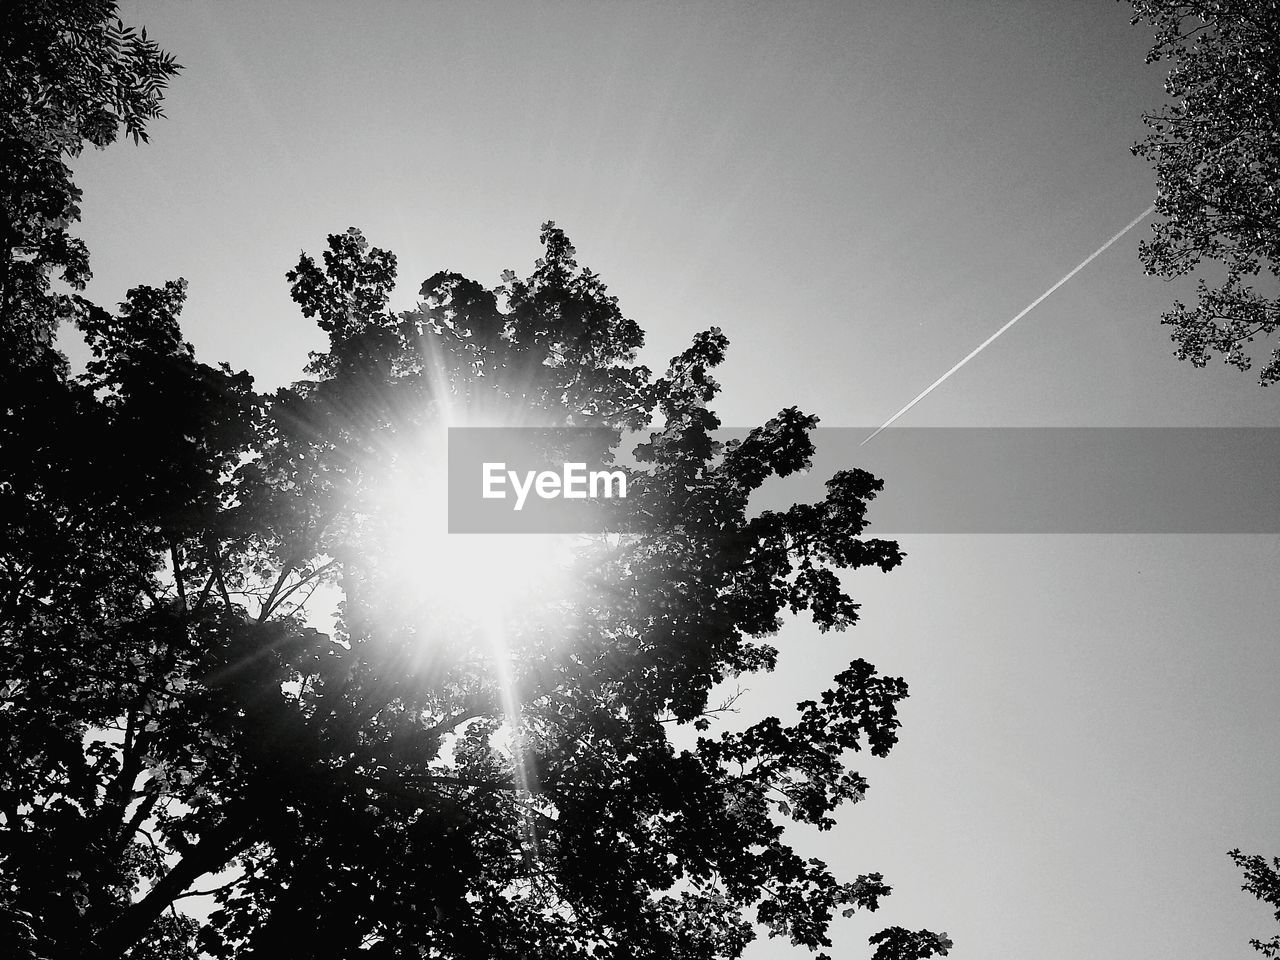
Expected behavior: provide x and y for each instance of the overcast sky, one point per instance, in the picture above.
(858, 194)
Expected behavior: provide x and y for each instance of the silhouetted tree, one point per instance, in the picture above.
(1217, 170)
(1262, 879)
(179, 717)
(174, 724)
(82, 480)
(70, 74)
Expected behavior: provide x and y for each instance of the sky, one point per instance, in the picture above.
(857, 194)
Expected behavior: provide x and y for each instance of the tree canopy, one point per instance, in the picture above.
(1217, 170)
(412, 781)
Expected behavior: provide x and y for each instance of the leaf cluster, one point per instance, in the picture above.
(71, 74)
(1262, 879)
(1217, 168)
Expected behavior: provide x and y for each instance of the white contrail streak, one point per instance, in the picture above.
(1021, 313)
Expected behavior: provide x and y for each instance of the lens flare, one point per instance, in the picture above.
(449, 597)
(471, 577)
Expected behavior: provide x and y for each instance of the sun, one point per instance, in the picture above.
(467, 577)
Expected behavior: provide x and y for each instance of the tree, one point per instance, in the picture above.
(1217, 170)
(359, 792)
(414, 782)
(71, 74)
(1262, 879)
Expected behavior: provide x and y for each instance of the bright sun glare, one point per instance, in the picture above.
(482, 588)
(476, 578)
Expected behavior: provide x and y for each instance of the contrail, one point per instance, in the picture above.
(1021, 313)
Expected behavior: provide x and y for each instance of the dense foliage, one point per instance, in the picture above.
(1214, 148)
(404, 784)
(70, 74)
